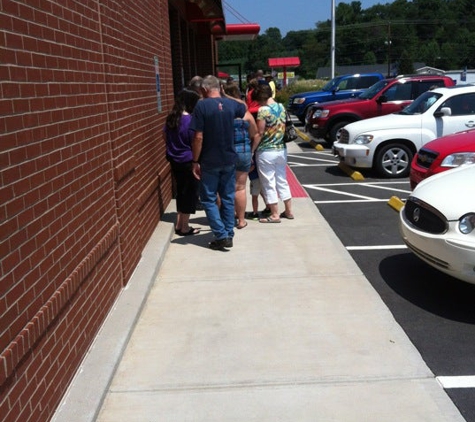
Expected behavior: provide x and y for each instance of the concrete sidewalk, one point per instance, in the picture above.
(282, 327)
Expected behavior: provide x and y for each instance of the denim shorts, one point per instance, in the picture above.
(244, 161)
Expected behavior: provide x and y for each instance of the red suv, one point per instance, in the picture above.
(325, 120)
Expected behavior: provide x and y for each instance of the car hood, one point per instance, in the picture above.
(456, 142)
(333, 103)
(389, 121)
(451, 192)
(309, 94)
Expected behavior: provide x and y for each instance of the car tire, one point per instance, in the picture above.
(393, 160)
(334, 134)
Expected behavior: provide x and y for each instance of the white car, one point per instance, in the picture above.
(437, 222)
(388, 143)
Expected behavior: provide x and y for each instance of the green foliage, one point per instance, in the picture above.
(440, 33)
(283, 94)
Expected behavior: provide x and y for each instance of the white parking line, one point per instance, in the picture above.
(375, 186)
(368, 198)
(457, 382)
(307, 165)
(350, 201)
(375, 248)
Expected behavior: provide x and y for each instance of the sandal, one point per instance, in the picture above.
(268, 220)
(190, 232)
(241, 227)
(288, 217)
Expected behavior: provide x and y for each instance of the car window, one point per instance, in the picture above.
(461, 105)
(423, 86)
(422, 103)
(347, 84)
(399, 92)
(366, 81)
(374, 89)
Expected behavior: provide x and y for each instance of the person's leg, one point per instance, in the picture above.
(186, 197)
(208, 194)
(227, 192)
(266, 168)
(240, 199)
(179, 183)
(282, 185)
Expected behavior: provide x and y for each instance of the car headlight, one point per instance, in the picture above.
(320, 113)
(458, 159)
(363, 139)
(299, 100)
(467, 223)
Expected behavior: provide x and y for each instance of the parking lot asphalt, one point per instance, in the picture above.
(282, 327)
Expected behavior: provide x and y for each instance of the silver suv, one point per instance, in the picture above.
(388, 143)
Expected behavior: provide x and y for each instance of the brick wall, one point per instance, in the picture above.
(83, 179)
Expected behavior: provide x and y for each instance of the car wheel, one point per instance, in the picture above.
(335, 131)
(394, 160)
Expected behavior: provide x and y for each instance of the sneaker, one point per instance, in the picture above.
(252, 216)
(266, 211)
(221, 244)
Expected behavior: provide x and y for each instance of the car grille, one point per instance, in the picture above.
(425, 158)
(344, 136)
(424, 217)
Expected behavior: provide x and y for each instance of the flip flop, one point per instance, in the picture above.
(190, 232)
(239, 228)
(268, 220)
(288, 217)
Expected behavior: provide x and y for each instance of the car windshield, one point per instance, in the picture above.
(421, 104)
(373, 90)
(331, 85)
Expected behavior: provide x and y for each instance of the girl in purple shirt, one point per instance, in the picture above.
(178, 141)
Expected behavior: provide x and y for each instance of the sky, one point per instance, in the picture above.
(287, 15)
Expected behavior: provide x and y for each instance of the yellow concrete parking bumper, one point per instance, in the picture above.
(395, 203)
(355, 175)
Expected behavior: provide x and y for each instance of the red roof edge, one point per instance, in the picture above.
(284, 62)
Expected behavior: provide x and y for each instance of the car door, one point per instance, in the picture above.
(347, 89)
(462, 114)
(397, 96)
(462, 117)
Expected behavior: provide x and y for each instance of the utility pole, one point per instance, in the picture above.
(333, 39)
(389, 49)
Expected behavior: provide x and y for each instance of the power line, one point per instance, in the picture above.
(235, 13)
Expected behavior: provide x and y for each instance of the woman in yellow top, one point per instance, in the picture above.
(271, 155)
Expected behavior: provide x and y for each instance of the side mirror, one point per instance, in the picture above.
(382, 99)
(444, 111)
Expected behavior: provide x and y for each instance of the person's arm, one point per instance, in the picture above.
(196, 146)
(252, 131)
(261, 127)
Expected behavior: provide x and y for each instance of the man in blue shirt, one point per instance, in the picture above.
(214, 159)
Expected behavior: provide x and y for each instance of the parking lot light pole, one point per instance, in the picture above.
(333, 39)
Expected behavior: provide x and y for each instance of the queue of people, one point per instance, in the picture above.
(215, 142)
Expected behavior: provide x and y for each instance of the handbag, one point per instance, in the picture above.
(290, 131)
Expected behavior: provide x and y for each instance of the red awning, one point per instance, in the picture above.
(237, 32)
(284, 62)
(223, 75)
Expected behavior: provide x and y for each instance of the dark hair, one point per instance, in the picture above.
(184, 101)
(232, 90)
(262, 93)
